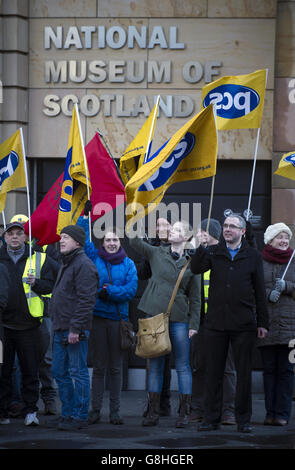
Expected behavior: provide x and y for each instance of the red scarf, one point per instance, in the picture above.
(275, 255)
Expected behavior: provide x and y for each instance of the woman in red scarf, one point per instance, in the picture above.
(278, 374)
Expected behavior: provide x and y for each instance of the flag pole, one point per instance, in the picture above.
(213, 178)
(152, 128)
(109, 152)
(85, 164)
(254, 162)
(4, 221)
(28, 202)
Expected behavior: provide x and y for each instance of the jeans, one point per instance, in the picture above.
(107, 355)
(278, 377)
(181, 348)
(69, 368)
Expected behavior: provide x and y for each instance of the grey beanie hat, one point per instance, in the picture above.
(214, 228)
(76, 232)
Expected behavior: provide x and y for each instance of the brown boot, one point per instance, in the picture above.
(183, 411)
(151, 417)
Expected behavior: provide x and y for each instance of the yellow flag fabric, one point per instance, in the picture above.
(138, 147)
(74, 188)
(190, 154)
(286, 166)
(12, 170)
(238, 99)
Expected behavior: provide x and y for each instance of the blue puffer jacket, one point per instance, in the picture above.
(124, 281)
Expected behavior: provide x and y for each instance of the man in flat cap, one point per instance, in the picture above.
(71, 309)
(29, 278)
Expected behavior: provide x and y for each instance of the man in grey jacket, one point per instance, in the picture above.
(71, 308)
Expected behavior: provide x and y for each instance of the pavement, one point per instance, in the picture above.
(132, 439)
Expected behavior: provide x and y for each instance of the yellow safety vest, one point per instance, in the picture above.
(206, 278)
(35, 302)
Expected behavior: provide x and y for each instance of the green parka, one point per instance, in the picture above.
(165, 271)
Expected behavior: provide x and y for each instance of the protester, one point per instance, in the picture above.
(47, 390)
(166, 263)
(71, 308)
(29, 279)
(237, 312)
(117, 286)
(278, 372)
(144, 272)
(198, 350)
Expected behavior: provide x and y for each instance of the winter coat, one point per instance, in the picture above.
(237, 293)
(74, 293)
(123, 286)
(165, 272)
(281, 313)
(16, 314)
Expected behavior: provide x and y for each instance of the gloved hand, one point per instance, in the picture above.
(274, 296)
(87, 207)
(280, 285)
(102, 294)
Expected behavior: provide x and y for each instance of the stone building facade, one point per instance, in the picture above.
(114, 57)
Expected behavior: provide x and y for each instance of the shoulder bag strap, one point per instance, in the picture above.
(177, 286)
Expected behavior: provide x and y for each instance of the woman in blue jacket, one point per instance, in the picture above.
(117, 286)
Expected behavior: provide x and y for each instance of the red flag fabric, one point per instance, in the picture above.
(107, 192)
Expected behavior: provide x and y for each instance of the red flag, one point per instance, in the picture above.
(107, 188)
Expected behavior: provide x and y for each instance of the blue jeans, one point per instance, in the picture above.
(181, 348)
(278, 378)
(69, 368)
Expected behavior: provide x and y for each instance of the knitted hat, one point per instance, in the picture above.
(76, 232)
(273, 230)
(214, 228)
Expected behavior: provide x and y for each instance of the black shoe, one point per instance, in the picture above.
(115, 418)
(208, 426)
(72, 425)
(94, 417)
(246, 428)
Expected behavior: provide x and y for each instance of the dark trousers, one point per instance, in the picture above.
(198, 364)
(242, 343)
(26, 344)
(105, 343)
(278, 379)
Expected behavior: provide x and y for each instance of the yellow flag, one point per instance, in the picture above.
(139, 147)
(190, 154)
(12, 170)
(286, 166)
(74, 188)
(239, 100)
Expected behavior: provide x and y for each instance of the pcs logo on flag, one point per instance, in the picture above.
(290, 159)
(182, 149)
(232, 101)
(8, 165)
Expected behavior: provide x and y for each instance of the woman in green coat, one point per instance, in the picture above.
(166, 263)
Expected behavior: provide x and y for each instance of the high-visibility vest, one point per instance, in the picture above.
(35, 302)
(206, 278)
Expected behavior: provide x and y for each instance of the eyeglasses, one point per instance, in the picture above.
(231, 226)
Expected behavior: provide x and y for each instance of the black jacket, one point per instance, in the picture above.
(237, 293)
(74, 294)
(16, 314)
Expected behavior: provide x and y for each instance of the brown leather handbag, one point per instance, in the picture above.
(153, 338)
